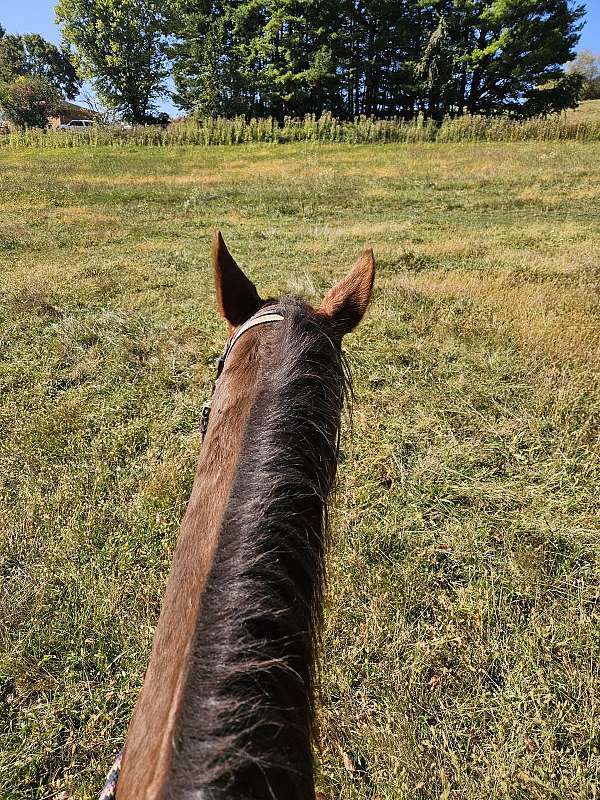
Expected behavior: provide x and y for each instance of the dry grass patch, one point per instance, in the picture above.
(560, 319)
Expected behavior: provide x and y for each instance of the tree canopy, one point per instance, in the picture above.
(32, 55)
(119, 46)
(29, 100)
(349, 57)
(380, 57)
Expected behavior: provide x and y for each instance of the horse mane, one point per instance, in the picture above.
(247, 725)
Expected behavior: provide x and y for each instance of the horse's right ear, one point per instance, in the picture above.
(237, 297)
(346, 303)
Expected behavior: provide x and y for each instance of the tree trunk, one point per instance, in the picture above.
(478, 72)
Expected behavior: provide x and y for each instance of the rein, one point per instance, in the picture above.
(262, 316)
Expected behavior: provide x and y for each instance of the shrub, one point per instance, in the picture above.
(209, 131)
(28, 101)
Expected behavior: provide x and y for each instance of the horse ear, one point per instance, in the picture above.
(237, 297)
(347, 302)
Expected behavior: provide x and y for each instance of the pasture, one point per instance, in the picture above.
(462, 645)
(586, 111)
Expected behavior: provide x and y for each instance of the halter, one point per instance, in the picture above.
(262, 316)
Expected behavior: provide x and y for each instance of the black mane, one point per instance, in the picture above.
(248, 724)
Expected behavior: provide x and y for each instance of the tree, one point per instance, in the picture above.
(587, 65)
(120, 47)
(29, 100)
(521, 45)
(436, 70)
(33, 55)
(201, 72)
(557, 95)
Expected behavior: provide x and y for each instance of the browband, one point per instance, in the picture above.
(262, 316)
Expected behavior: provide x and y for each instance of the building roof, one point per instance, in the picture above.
(72, 108)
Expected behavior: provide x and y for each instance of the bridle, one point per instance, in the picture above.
(271, 313)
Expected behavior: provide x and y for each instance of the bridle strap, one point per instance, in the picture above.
(262, 316)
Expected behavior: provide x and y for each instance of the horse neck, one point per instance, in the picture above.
(148, 750)
(240, 713)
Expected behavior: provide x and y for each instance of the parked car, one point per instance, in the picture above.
(76, 125)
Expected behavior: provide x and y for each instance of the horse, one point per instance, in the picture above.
(227, 706)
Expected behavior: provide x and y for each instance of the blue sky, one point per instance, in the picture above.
(37, 16)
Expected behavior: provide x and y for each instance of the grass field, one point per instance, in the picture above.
(587, 111)
(462, 649)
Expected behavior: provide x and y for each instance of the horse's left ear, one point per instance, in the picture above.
(347, 302)
(237, 297)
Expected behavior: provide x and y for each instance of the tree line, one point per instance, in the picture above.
(375, 57)
(282, 58)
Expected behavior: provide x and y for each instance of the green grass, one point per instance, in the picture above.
(462, 646)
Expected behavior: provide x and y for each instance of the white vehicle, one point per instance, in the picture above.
(76, 125)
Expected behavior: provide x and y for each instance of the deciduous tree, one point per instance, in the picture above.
(31, 54)
(587, 65)
(119, 46)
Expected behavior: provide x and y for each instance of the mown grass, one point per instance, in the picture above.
(463, 628)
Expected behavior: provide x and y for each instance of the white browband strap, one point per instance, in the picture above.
(252, 322)
(258, 319)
